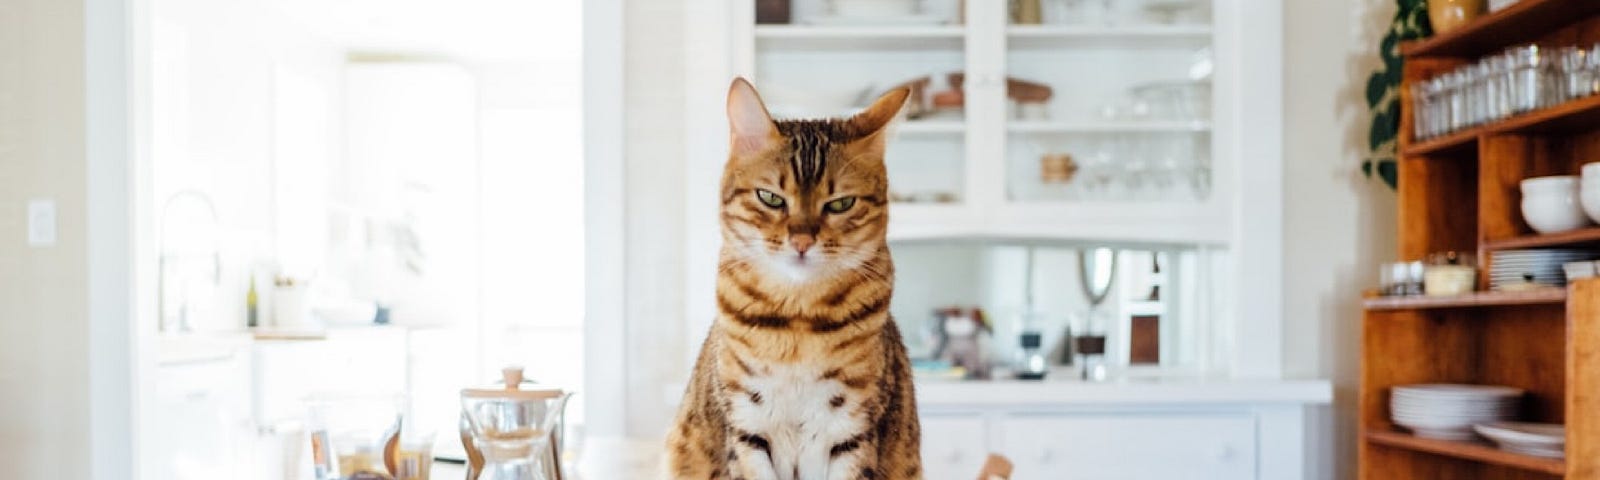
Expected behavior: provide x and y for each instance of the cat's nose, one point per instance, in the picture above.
(802, 242)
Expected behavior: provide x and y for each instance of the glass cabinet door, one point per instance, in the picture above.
(1108, 101)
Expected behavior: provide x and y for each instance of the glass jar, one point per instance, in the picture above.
(1575, 75)
(1530, 78)
(1421, 108)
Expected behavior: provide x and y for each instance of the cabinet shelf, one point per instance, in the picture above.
(1043, 36)
(932, 126)
(1477, 452)
(1574, 116)
(1522, 22)
(1581, 237)
(934, 37)
(1481, 299)
(1162, 126)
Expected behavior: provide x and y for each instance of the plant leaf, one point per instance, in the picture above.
(1390, 173)
(1377, 88)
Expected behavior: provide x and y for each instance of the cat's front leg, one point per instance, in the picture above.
(750, 456)
(853, 459)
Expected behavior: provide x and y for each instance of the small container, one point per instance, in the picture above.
(1449, 273)
(1577, 270)
(1032, 363)
(1057, 168)
(1401, 279)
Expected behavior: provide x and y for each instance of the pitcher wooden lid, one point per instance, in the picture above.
(513, 389)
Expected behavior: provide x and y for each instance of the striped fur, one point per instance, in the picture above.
(803, 375)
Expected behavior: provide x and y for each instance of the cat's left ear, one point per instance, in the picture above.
(878, 121)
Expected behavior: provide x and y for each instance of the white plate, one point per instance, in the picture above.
(1456, 390)
(1531, 435)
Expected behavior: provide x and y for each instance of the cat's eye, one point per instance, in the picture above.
(839, 205)
(769, 198)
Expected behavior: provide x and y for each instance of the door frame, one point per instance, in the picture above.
(122, 333)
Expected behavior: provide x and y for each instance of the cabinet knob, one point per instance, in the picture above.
(1046, 456)
(1225, 453)
(953, 457)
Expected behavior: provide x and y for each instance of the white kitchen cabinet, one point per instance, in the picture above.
(1124, 446)
(953, 446)
(1221, 197)
(202, 415)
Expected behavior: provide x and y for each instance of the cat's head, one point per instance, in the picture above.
(806, 199)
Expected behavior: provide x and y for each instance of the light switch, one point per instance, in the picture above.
(41, 223)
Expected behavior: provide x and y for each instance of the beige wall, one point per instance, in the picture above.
(1338, 225)
(44, 360)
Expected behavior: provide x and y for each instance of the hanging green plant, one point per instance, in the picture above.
(1383, 91)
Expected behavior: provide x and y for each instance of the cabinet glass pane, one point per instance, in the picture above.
(1109, 101)
(1150, 311)
(832, 58)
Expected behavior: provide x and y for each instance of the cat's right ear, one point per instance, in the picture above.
(750, 127)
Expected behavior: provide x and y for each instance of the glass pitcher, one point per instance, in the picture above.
(366, 436)
(514, 429)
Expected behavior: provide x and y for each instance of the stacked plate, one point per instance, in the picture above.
(1537, 439)
(1510, 268)
(1449, 411)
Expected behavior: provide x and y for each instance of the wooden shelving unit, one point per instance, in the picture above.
(1482, 299)
(1460, 193)
(1480, 452)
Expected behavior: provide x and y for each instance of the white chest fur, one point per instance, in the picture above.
(795, 410)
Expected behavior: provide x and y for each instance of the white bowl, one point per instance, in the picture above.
(1589, 199)
(1591, 170)
(1551, 212)
(1553, 183)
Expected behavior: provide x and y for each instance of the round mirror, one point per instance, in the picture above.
(1097, 267)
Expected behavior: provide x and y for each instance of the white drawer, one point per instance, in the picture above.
(953, 446)
(1130, 446)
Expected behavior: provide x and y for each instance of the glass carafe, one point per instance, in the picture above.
(514, 428)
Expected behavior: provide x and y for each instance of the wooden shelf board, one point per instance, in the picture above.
(1478, 452)
(1582, 236)
(1480, 299)
(1574, 116)
(1522, 22)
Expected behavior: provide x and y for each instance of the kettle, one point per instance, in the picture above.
(513, 431)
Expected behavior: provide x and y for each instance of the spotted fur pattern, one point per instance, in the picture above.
(803, 376)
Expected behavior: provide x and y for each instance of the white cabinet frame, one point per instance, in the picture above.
(1244, 216)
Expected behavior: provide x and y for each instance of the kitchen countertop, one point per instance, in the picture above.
(1162, 391)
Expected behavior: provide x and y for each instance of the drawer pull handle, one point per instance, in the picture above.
(1225, 453)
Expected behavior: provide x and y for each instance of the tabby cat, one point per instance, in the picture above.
(803, 376)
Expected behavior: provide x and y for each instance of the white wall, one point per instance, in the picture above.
(1338, 225)
(653, 70)
(44, 292)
